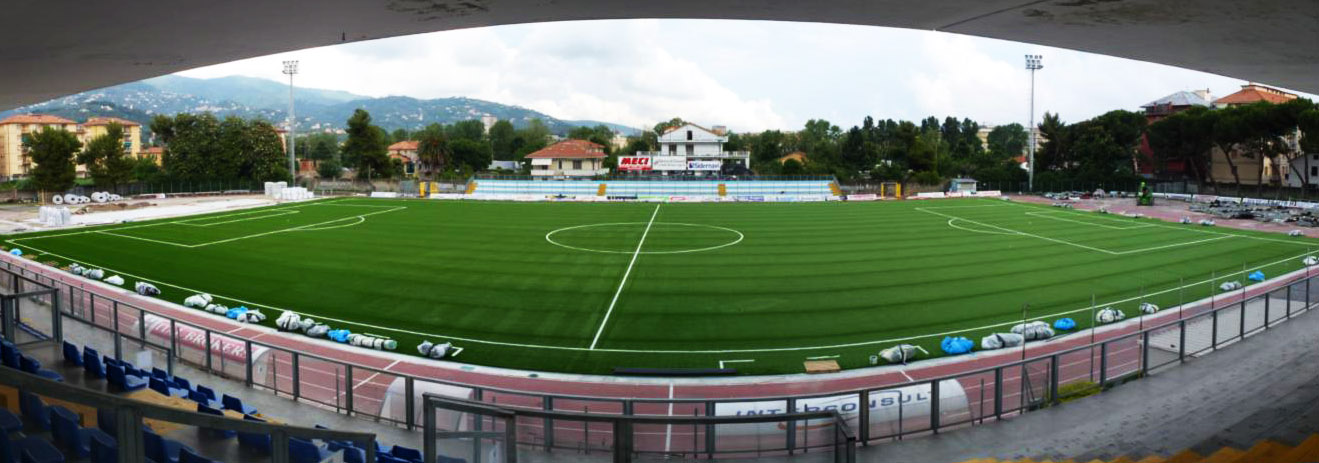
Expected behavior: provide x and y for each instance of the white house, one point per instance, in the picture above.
(569, 158)
(698, 145)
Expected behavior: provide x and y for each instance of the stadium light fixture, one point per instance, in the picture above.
(1033, 63)
(291, 68)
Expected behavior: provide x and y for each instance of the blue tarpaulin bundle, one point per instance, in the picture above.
(1256, 276)
(339, 335)
(16, 252)
(956, 345)
(1064, 324)
(235, 312)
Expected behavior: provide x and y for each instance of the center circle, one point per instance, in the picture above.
(660, 237)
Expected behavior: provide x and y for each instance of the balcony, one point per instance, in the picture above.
(568, 172)
(720, 155)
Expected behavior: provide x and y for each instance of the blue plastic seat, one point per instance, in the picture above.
(34, 410)
(405, 453)
(354, 455)
(188, 456)
(255, 441)
(105, 421)
(9, 422)
(236, 404)
(32, 365)
(202, 399)
(182, 383)
(165, 388)
(91, 363)
(131, 370)
(64, 427)
(304, 451)
(158, 373)
(9, 354)
(210, 394)
(32, 449)
(104, 449)
(160, 449)
(115, 374)
(224, 433)
(72, 355)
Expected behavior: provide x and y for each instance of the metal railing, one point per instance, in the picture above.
(879, 413)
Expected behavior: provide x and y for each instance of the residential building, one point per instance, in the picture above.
(1157, 110)
(569, 158)
(155, 153)
(696, 143)
(1276, 170)
(406, 153)
(98, 126)
(14, 162)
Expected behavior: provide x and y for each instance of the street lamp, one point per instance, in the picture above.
(1032, 64)
(291, 68)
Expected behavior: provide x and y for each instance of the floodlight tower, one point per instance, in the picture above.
(1032, 64)
(291, 68)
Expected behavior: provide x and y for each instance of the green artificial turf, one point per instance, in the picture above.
(764, 285)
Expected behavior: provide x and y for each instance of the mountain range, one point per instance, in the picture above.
(316, 109)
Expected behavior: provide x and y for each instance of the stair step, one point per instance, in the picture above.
(1185, 456)
(1223, 455)
(1263, 451)
(1307, 450)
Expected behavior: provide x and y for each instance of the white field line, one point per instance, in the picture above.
(671, 351)
(722, 362)
(309, 227)
(374, 375)
(1200, 229)
(266, 215)
(626, 273)
(1069, 243)
(705, 351)
(1047, 215)
(972, 230)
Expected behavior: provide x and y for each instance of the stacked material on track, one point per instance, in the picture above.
(53, 216)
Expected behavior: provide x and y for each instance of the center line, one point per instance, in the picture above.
(625, 275)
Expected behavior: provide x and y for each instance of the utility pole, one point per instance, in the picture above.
(1032, 64)
(291, 68)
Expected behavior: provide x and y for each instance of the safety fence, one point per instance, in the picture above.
(1071, 366)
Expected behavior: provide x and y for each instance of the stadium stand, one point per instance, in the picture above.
(708, 188)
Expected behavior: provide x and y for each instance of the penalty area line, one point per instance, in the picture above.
(622, 283)
(722, 362)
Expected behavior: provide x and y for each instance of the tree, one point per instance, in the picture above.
(1052, 155)
(329, 169)
(1185, 137)
(365, 150)
(470, 155)
(399, 135)
(52, 151)
(501, 140)
(471, 129)
(145, 170)
(662, 127)
(323, 147)
(432, 149)
(1007, 141)
(106, 160)
(792, 167)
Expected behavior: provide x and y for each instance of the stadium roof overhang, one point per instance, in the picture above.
(53, 48)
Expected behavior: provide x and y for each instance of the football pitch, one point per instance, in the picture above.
(585, 287)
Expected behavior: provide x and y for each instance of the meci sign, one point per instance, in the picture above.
(633, 163)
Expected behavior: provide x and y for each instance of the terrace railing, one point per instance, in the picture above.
(710, 427)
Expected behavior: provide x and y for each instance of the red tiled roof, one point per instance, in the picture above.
(35, 119)
(1252, 93)
(108, 120)
(570, 149)
(405, 145)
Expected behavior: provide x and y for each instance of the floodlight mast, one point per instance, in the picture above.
(1033, 63)
(291, 68)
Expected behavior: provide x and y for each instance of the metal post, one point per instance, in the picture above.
(1213, 330)
(547, 403)
(998, 393)
(279, 446)
(709, 432)
(297, 387)
(348, 384)
(791, 427)
(1266, 309)
(1145, 353)
(1241, 328)
(1032, 64)
(208, 350)
(291, 68)
(1053, 379)
(428, 430)
(863, 415)
(934, 406)
(1103, 364)
(248, 362)
(410, 404)
(142, 325)
(128, 423)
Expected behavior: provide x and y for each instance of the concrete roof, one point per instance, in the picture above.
(51, 50)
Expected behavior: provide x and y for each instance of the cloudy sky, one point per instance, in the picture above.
(748, 75)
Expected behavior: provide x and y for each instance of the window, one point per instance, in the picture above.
(1314, 171)
(689, 135)
(690, 149)
(673, 148)
(577, 165)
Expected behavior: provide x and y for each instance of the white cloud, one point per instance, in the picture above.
(748, 75)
